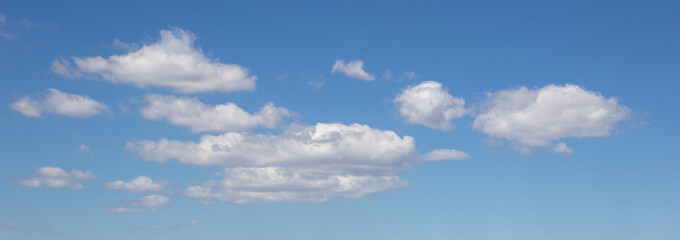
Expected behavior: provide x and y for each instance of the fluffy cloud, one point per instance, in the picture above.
(58, 102)
(139, 184)
(56, 177)
(445, 154)
(303, 164)
(429, 104)
(354, 69)
(172, 62)
(534, 118)
(192, 113)
(323, 148)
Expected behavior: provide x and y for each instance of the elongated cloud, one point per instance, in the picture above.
(429, 104)
(444, 155)
(139, 184)
(276, 184)
(152, 201)
(56, 177)
(303, 164)
(533, 118)
(353, 69)
(172, 62)
(59, 102)
(199, 117)
(324, 147)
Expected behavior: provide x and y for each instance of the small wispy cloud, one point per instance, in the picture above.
(353, 69)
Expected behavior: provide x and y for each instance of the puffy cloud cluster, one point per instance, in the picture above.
(198, 116)
(534, 118)
(353, 69)
(139, 184)
(49, 176)
(429, 104)
(304, 164)
(59, 102)
(172, 62)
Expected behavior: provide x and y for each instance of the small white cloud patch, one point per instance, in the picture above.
(59, 102)
(56, 177)
(172, 62)
(445, 155)
(429, 104)
(199, 117)
(83, 148)
(562, 148)
(533, 118)
(139, 184)
(152, 201)
(353, 69)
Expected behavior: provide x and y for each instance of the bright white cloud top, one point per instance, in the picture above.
(305, 163)
(59, 102)
(429, 104)
(56, 177)
(445, 155)
(199, 117)
(353, 69)
(139, 184)
(534, 118)
(172, 62)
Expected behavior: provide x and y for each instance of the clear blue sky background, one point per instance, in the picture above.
(624, 186)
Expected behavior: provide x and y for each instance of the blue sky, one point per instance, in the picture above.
(339, 120)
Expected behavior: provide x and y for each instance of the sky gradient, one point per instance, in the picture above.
(339, 120)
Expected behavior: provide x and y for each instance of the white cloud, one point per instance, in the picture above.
(28, 107)
(58, 102)
(152, 201)
(63, 67)
(172, 62)
(429, 104)
(3, 18)
(534, 118)
(83, 148)
(124, 210)
(354, 69)
(192, 113)
(49, 176)
(562, 148)
(276, 184)
(139, 184)
(324, 147)
(445, 154)
(303, 164)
